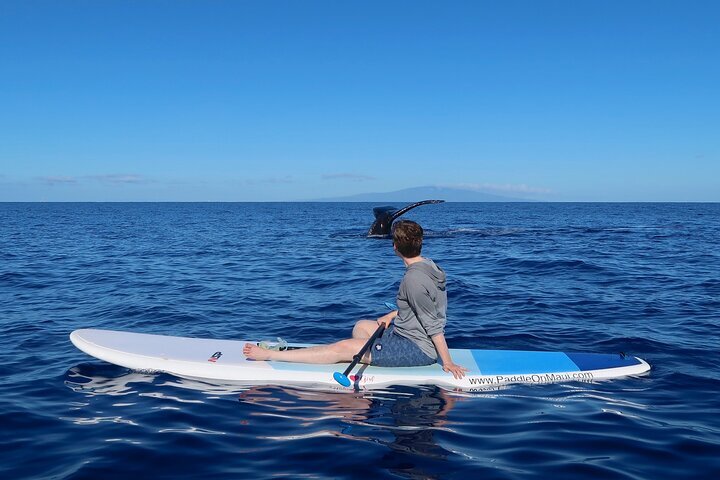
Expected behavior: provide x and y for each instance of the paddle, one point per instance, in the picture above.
(342, 378)
(391, 306)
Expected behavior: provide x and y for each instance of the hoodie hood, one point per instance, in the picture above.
(429, 268)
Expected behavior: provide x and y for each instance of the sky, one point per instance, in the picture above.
(293, 100)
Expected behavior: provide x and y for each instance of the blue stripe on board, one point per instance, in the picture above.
(494, 362)
(598, 361)
(501, 362)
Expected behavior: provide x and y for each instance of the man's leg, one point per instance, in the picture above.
(342, 351)
(364, 329)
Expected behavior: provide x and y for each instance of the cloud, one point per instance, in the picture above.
(503, 188)
(112, 178)
(271, 180)
(58, 180)
(353, 177)
(119, 178)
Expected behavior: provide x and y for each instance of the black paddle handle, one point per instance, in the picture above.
(356, 358)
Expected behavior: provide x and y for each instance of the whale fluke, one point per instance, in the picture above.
(385, 216)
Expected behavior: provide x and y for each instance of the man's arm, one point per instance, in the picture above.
(444, 352)
(387, 318)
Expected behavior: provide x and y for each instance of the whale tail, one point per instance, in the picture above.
(385, 216)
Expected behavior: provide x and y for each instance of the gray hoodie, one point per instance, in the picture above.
(422, 305)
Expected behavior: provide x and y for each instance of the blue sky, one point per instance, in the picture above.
(291, 100)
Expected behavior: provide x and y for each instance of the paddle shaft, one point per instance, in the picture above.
(364, 349)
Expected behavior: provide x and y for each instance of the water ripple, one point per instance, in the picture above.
(636, 278)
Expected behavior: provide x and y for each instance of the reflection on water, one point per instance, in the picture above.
(102, 379)
(403, 420)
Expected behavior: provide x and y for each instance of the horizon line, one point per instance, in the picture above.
(356, 201)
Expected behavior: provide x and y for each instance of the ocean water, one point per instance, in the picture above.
(636, 278)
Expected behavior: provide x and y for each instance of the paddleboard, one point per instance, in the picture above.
(223, 361)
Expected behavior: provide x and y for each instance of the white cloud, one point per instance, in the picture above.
(119, 178)
(58, 180)
(502, 188)
(271, 180)
(112, 178)
(353, 177)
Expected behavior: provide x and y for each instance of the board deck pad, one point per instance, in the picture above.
(223, 360)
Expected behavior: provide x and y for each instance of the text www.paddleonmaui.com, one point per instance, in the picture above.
(535, 378)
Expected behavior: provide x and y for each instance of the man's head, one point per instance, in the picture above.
(407, 238)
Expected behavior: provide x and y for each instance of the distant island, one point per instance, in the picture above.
(414, 194)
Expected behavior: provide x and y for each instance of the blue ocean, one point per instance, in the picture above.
(637, 278)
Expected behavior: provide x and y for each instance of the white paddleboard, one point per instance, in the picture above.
(223, 360)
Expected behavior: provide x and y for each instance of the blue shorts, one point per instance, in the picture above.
(393, 350)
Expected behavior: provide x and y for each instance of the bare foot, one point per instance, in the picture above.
(253, 352)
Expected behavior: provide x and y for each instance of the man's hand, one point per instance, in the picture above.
(457, 371)
(444, 354)
(387, 319)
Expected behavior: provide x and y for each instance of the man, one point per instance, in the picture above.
(417, 336)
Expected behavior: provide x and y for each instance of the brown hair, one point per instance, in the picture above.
(407, 238)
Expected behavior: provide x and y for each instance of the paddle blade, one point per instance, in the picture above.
(341, 379)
